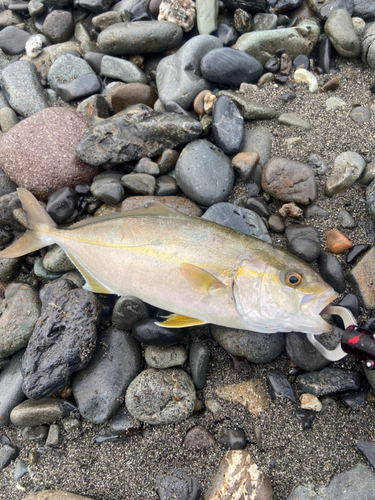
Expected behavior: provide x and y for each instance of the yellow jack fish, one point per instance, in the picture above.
(200, 271)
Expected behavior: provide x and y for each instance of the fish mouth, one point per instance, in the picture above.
(314, 308)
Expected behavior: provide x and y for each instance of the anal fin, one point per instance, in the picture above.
(179, 321)
(91, 283)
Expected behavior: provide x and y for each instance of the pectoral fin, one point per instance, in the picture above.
(92, 284)
(179, 321)
(202, 280)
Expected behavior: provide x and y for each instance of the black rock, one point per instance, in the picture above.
(226, 34)
(368, 449)
(99, 389)
(281, 6)
(280, 51)
(63, 340)
(178, 484)
(305, 417)
(352, 399)
(350, 301)
(303, 241)
(139, 12)
(94, 59)
(272, 65)
(227, 125)
(235, 439)
(166, 186)
(133, 133)
(331, 271)
(356, 252)
(328, 381)
(326, 54)
(128, 311)
(226, 66)
(287, 97)
(281, 79)
(11, 393)
(62, 204)
(7, 454)
(258, 206)
(13, 40)
(199, 356)
(149, 333)
(83, 86)
(301, 59)
(6, 236)
(279, 386)
(96, 6)
(8, 203)
(370, 324)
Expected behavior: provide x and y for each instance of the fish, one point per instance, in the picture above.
(199, 271)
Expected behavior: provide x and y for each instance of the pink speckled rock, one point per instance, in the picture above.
(39, 152)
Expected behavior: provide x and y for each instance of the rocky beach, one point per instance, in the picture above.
(253, 114)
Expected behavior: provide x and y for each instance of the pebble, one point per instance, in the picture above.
(235, 439)
(121, 69)
(255, 347)
(165, 357)
(340, 30)
(362, 277)
(303, 241)
(347, 169)
(243, 21)
(94, 108)
(336, 242)
(332, 84)
(139, 183)
(334, 103)
(355, 483)
(264, 22)
(44, 411)
(83, 86)
(227, 125)
(368, 449)
(58, 26)
(180, 13)
(238, 218)
(127, 95)
(289, 181)
(13, 40)
(310, 402)
(353, 399)
(108, 188)
(99, 389)
(161, 396)
(128, 311)
(67, 68)
(346, 220)
(38, 433)
(236, 476)
(199, 357)
(147, 332)
(293, 120)
(245, 163)
(166, 186)
(179, 484)
(20, 469)
(305, 417)
(280, 386)
(8, 119)
(277, 223)
(151, 131)
(204, 173)
(19, 313)
(304, 76)
(53, 436)
(62, 204)
(328, 381)
(356, 252)
(198, 437)
(106, 19)
(46, 366)
(291, 210)
(7, 454)
(11, 393)
(249, 393)
(226, 34)
(331, 271)
(360, 114)
(250, 108)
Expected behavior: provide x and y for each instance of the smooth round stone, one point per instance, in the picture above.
(161, 396)
(198, 437)
(303, 241)
(57, 261)
(255, 347)
(231, 67)
(331, 271)
(199, 356)
(11, 393)
(238, 218)
(8, 119)
(9, 18)
(301, 60)
(43, 411)
(167, 160)
(243, 21)
(108, 189)
(166, 186)
(139, 183)
(40, 271)
(258, 206)
(129, 94)
(143, 37)
(13, 40)
(147, 332)
(204, 173)
(346, 220)
(165, 357)
(356, 252)
(226, 34)
(277, 223)
(34, 46)
(55, 132)
(83, 86)
(360, 114)
(103, 21)
(62, 204)
(58, 26)
(177, 483)
(146, 166)
(347, 168)
(67, 68)
(128, 311)
(121, 69)
(227, 125)
(340, 30)
(234, 439)
(264, 22)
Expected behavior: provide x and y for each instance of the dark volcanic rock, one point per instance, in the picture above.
(63, 339)
(227, 125)
(134, 133)
(303, 241)
(328, 381)
(177, 483)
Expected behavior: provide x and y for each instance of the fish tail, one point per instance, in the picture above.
(37, 223)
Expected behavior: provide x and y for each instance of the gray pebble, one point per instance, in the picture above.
(11, 393)
(199, 356)
(165, 357)
(32, 413)
(128, 311)
(328, 381)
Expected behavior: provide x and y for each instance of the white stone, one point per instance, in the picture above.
(335, 103)
(304, 76)
(310, 402)
(207, 13)
(34, 46)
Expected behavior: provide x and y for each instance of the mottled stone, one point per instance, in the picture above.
(249, 393)
(198, 437)
(362, 278)
(328, 381)
(67, 68)
(250, 108)
(44, 411)
(165, 357)
(347, 168)
(58, 26)
(180, 12)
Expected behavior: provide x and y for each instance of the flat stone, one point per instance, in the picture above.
(106, 19)
(161, 396)
(362, 278)
(264, 21)
(13, 40)
(288, 180)
(7, 454)
(250, 108)
(127, 95)
(99, 389)
(328, 381)
(204, 173)
(334, 103)
(347, 168)
(360, 114)
(66, 68)
(165, 357)
(280, 386)
(227, 125)
(294, 120)
(45, 145)
(139, 183)
(249, 393)
(178, 77)
(207, 16)
(140, 37)
(340, 30)
(21, 83)
(83, 86)
(46, 366)
(177, 483)
(11, 393)
(147, 133)
(235, 439)
(108, 189)
(183, 205)
(44, 411)
(121, 69)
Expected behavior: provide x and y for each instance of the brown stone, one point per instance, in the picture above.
(39, 152)
(249, 393)
(286, 65)
(128, 94)
(198, 103)
(288, 180)
(58, 26)
(337, 242)
(362, 278)
(245, 163)
(167, 160)
(332, 84)
(290, 210)
(238, 478)
(55, 495)
(198, 437)
(183, 205)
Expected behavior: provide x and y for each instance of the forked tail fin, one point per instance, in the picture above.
(37, 224)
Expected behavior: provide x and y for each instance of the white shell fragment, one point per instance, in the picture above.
(304, 76)
(34, 46)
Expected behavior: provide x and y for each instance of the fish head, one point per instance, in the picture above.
(281, 293)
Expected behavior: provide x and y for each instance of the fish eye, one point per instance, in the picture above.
(293, 279)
